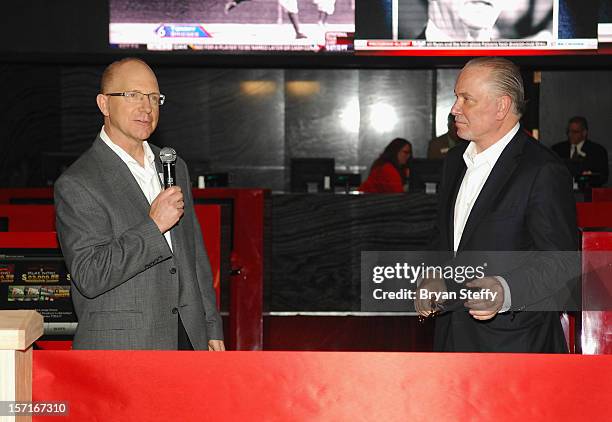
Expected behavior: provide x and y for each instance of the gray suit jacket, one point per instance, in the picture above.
(126, 282)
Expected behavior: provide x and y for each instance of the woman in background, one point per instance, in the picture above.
(390, 170)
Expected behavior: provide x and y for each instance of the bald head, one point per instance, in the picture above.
(129, 119)
(113, 72)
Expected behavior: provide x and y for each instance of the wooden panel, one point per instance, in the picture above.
(317, 242)
(19, 329)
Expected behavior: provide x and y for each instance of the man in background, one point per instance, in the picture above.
(439, 146)
(140, 274)
(585, 158)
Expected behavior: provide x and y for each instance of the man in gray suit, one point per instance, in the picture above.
(140, 275)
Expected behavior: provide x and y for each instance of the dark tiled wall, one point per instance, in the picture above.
(248, 122)
(251, 122)
(29, 120)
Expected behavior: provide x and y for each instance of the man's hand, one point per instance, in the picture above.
(216, 346)
(485, 308)
(167, 209)
(431, 285)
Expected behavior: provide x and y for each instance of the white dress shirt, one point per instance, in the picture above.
(146, 176)
(479, 167)
(577, 149)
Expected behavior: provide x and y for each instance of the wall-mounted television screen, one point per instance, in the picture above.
(604, 26)
(224, 26)
(474, 27)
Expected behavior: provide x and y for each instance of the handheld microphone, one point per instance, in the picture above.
(168, 158)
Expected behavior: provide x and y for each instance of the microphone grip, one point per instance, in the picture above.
(169, 175)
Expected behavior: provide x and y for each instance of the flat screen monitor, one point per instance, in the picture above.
(471, 27)
(215, 180)
(226, 26)
(604, 23)
(346, 182)
(38, 279)
(312, 174)
(426, 170)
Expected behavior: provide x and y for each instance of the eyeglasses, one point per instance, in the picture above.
(155, 98)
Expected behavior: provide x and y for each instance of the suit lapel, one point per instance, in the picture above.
(119, 177)
(586, 147)
(158, 165)
(500, 175)
(456, 171)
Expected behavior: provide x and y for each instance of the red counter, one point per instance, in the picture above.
(319, 386)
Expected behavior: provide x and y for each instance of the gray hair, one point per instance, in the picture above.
(505, 78)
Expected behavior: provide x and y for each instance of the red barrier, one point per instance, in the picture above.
(594, 214)
(596, 336)
(209, 217)
(33, 226)
(246, 288)
(29, 218)
(27, 240)
(601, 194)
(8, 195)
(319, 386)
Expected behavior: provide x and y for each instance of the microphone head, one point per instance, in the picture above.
(167, 155)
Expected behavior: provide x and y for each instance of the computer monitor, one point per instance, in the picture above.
(345, 182)
(312, 175)
(425, 174)
(582, 182)
(215, 180)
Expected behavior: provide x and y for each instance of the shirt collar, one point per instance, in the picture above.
(579, 146)
(491, 154)
(127, 158)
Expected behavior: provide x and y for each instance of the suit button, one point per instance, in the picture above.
(174, 310)
(172, 270)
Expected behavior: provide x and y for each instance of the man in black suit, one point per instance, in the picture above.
(503, 191)
(585, 158)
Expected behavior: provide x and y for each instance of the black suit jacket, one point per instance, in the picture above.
(596, 160)
(526, 205)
